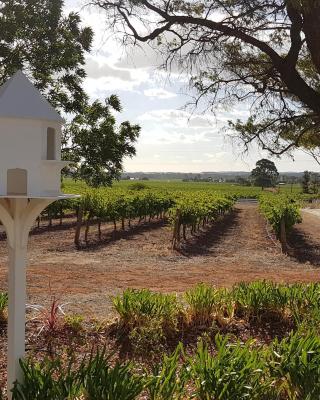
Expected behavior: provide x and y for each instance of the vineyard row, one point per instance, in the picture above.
(186, 211)
(282, 212)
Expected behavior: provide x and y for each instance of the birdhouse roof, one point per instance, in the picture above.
(20, 99)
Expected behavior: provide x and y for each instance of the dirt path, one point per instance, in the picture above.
(235, 249)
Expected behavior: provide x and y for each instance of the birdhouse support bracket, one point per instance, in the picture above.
(17, 216)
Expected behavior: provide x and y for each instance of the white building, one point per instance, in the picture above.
(30, 137)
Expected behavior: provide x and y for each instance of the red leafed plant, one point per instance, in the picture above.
(50, 316)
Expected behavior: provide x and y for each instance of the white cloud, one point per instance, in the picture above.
(197, 161)
(159, 93)
(95, 70)
(97, 87)
(179, 118)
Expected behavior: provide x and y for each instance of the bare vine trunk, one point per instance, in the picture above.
(283, 236)
(176, 230)
(78, 227)
(87, 227)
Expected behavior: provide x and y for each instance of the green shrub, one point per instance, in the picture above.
(225, 306)
(48, 380)
(304, 302)
(236, 371)
(138, 186)
(169, 378)
(94, 379)
(74, 322)
(202, 301)
(285, 370)
(137, 308)
(295, 365)
(148, 339)
(258, 298)
(103, 382)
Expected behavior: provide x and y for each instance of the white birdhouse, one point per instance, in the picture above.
(30, 170)
(30, 147)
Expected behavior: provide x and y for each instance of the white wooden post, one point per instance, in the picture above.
(17, 216)
(17, 294)
(16, 318)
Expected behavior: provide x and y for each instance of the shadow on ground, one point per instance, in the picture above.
(304, 249)
(204, 241)
(46, 227)
(113, 236)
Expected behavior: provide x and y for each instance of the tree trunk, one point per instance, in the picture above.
(87, 227)
(78, 227)
(176, 230)
(99, 228)
(114, 233)
(283, 236)
(184, 230)
(61, 215)
(311, 24)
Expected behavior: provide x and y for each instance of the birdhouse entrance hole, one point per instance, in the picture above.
(17, 182)
(51, 144)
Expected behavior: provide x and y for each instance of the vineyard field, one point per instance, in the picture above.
(129, 245)
(71, 186)
(232, 249)
(187, 205)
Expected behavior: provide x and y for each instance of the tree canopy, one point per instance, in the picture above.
(265, 174)
(263, 53)
(96, 145)
(49, 46)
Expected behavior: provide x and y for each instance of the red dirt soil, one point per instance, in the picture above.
(238, 248)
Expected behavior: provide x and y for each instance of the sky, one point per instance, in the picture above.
(173, 138)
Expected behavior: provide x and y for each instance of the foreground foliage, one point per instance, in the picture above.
(287, 369)
(204, 306)
(218, 365)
